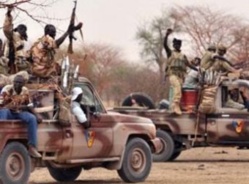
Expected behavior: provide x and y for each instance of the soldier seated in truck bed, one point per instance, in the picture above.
(15, 102)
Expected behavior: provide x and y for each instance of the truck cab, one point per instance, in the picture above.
(112, 140)
(222, 126)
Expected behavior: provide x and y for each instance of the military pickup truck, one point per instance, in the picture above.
(223, 127)
(113, 141)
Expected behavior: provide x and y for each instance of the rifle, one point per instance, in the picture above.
(11, 56)
(73, 28)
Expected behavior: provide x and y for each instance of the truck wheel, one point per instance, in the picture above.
(141, 99)
(168, 147)
(64, 174)
(137, 161)
(15, 164)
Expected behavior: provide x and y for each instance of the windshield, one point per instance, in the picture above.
(89, 99)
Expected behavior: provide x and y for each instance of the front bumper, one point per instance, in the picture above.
(157, 145)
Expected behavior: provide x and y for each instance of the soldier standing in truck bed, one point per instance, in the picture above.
(14, 48)
(221, 64)
(207, 60)
(177, 64)
(42, 53)
(3, 60)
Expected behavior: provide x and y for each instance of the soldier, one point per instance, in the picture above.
(76, 107)
(221, 64)
(207, 59)
(3, 60)
(14, 48)
(42, 52)
(177, 64)
(191, 80)
(15, 102)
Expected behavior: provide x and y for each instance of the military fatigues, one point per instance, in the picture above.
(4, 65)
(42, 54)
(177, 64)
(224, 67)
(207, 60)
(20, 55)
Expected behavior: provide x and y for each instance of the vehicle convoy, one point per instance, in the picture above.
(221, 127)
(112, 140)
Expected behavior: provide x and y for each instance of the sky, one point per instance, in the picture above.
(115, 22)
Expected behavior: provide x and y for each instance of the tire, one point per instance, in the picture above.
(168, 147)
(175, 156)
(64, 174)
(137, 161)
(15, 164)
(142, 100)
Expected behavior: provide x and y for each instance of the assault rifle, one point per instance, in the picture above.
(73, 28)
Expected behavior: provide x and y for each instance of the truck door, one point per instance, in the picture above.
(228, 128)
(96, 141)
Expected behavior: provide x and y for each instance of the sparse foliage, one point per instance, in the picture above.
(31, 9)
(205, 26)
(151, 35)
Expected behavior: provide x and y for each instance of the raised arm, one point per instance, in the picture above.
(70, 30)
(223, 59)
(165, 43)
(60, 40)
(189, 64)
(8, 25)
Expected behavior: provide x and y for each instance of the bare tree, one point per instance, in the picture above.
(97, 62)
(151, 36)
(31, 9)
(113, 77)
(205, 26)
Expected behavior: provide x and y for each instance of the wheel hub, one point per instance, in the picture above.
(15, 166)
(138, 160)
(163, 146)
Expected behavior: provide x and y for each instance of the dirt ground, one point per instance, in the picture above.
(196, 166)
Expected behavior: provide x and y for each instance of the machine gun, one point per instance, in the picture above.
(73, 28)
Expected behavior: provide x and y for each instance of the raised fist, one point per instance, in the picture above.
(10, 8)
(169, 31)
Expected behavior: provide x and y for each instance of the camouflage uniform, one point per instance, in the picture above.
(177, 64)
(207, 60)
(4, 65)
(224, 67)
(20, 55)
(42, 54)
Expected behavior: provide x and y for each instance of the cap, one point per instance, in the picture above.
(76, 92)
(177, 41)
(222, 47)
(19, 78)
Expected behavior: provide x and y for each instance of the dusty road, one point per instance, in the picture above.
(196, 166)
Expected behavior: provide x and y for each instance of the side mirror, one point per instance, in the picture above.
(96, 115)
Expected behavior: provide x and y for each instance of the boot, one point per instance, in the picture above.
(177, 109)
(33, 152)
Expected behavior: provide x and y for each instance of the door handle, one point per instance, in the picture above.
(225, 115)
(68, 133)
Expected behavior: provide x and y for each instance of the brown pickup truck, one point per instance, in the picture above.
(223, 127)
(113, 141)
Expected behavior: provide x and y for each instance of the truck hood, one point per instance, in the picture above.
(124, 118)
